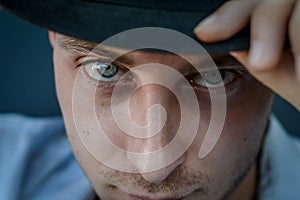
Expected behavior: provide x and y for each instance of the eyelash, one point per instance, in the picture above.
(238, 71)
(101, 84)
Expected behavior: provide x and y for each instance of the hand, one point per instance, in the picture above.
(270, 21)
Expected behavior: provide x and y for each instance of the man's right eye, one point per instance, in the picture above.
(101, 71)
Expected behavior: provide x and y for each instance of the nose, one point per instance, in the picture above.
(169, 119)
(160, 175)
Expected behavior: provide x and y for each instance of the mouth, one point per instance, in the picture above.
(175, 195)
(135, 197)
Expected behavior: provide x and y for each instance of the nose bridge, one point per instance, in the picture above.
(153, 106)
(142, 100)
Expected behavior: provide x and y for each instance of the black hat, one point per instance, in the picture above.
(96, 20)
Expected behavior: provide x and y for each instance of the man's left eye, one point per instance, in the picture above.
(107, 72)
(214, 78)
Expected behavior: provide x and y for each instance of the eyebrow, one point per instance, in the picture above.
(74, 45)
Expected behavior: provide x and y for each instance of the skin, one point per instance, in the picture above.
(230, 166)
(230, 170)
(271, 22)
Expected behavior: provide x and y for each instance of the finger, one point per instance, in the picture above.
(294, 33)
(228, 20)
(268, 32)
(280, 79)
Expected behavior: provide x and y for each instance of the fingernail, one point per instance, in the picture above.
(257, 57)
(206, 23)
(297, 69)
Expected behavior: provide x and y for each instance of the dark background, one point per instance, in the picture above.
(27, 79)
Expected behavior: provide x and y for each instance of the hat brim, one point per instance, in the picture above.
(95, 21)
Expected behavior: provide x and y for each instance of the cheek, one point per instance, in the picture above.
(65, 74)
(65, 78)
(246, 118)
(251, 121)
(241, 138)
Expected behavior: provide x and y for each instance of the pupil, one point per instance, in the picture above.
(107, 71)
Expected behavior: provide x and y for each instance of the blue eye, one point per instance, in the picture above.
(102, 71)
(214, 78)
(107, 70)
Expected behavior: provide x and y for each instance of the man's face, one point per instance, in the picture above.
(212, 177)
